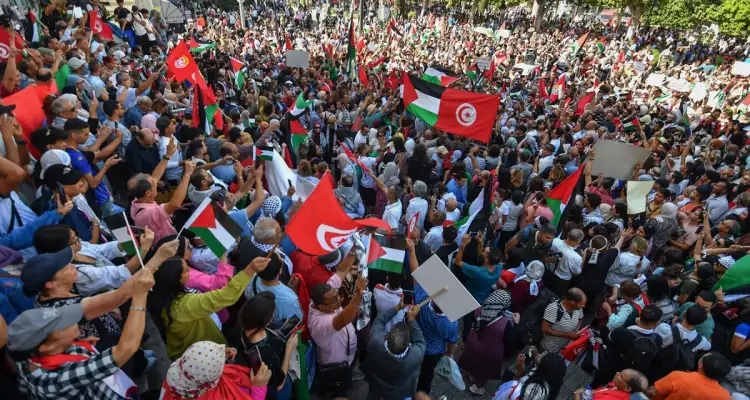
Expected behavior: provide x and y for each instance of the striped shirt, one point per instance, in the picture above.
(561, 321)
(436, 328)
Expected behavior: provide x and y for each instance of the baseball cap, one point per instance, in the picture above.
(63, 174)
(442, 150)
(33, 326)
(53, 157)
(41, 268)
(75, 63)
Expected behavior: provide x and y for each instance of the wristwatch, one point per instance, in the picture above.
(165, 158)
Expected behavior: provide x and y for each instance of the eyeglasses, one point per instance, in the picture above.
(75, 242)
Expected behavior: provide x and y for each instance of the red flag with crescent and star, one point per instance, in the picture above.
(319, 233)
(99, 27)
(182, 66)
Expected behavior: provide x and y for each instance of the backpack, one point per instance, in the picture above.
(530, 324)
(642, 352)
(678, 356)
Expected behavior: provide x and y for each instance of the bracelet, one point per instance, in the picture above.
(166, 158)
(137, 308)
(21, 142)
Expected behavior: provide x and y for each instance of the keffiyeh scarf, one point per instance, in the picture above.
(492, 309)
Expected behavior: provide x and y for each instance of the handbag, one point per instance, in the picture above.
(335, 376)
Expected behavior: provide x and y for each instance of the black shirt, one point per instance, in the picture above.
(141, 159)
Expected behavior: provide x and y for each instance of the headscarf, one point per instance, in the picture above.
(271, 206)
(390, 175)
(532, 273)
(668, 211)
(262, 101)
(492, 309)
(201, 372)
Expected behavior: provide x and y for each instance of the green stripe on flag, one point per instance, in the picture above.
(210, 239)
(557, 208)
(129, 248)
(426, 116)
(297, 140)
(432, 79)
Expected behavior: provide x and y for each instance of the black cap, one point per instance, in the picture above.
(7, 108)
(42, 268)
(63, 174)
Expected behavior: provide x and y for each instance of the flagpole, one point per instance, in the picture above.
(137, 247)
(276, 245)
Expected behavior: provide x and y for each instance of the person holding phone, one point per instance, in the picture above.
(261, 346)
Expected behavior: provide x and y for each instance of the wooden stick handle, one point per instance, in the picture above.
(433, 296)
(276, 245)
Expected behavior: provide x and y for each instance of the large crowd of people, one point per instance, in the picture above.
(631, 297)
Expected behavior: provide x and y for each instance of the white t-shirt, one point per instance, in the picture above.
(392, 214)
(512, 212)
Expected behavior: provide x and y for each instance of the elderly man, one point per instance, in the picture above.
(63, 110)
(144, 210)
(228, 171)
(625, 383)
(266, 233)
(174, 173)
(140, 154)
(135, 114)
(392, 369)
(126, 94)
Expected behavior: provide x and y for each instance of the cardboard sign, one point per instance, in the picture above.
(679, 85)
(637, 192)
(700, 91)
(617, 159)
(503, 33)
(297, 59)
(435, 277)
(741, 68)
(655, 80)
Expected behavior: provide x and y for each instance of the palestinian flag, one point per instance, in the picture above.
(264, 153)
(625, 95)
(386, 253)
(200, 119)
(438, 77)
(120, 227)
(563, 193)
(298, 132)
(473, 72)
(601, 45)
(61, 76)
(543, 90)
(632, 125)
(210, 223)
(393, 28)
(578, 44)
(351, 51)
(300, 105)
(239, 72)
(736, 281)
(460, 112)
(197, 47)
(35, 29)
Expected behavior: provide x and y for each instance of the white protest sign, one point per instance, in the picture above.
(679, 85)
(483, 63)
(77, 12)
(637, 192)
(435, 277)
(504, 33)
(741, 68)
(617, 159)
(715, 99)
(297, 59)
(655, 80)
(700, 91)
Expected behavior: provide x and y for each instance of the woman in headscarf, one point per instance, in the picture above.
(262, 115)
(664, 225)
(202, 373)
(485, 346)
(390, 179)
(526, 286)
(349, 197)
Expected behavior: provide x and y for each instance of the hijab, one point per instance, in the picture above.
(492, 309)
(201, 373)
(390, 175)
(532, 273)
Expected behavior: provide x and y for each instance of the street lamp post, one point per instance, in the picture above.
(242, 13)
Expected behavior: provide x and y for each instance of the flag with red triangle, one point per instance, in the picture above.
(212, 224)
(319, 233)
(393, 28)
(299, 134)
(386, 253)
(559, 197)
(543, 90)
(558, 89)
(490, 73)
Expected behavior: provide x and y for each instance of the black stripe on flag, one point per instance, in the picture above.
(116, 221)
(396, 241)
(226, 221)
(430, 89)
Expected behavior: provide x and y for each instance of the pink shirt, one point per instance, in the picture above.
(203, 283)
(331, 344)
(541, 211)
(155, 217)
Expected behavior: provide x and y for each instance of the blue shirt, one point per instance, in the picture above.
(436, 328)
(79, 162)
(224, 172)
(480, 280)
(133, 116)
(287, 303)
(459, 191)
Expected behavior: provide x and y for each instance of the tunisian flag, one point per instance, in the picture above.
(182, 65)
(100, 27)
(319, 233)
(460, 112)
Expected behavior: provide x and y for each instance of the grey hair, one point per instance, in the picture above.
(265, 230)
(575, 235)
(420, 189)
(143, 100)
(59, 105)
(398, 338)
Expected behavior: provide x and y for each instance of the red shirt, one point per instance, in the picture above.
(606, 198)
(311, 270)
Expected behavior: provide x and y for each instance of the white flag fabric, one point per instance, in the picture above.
(474, 209)
(278, 176)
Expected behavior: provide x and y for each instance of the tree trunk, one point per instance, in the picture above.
(539, 17)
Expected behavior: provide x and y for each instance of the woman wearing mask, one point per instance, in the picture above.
(486, 344)
(542, 381)
(202, 373)
(258, 341)
(183, 317)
